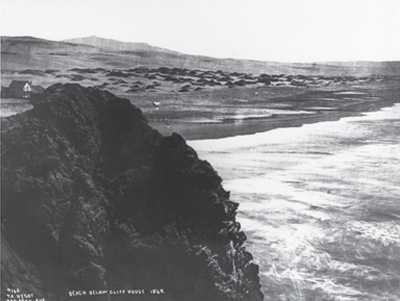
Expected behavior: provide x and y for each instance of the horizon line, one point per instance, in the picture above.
(208, 56)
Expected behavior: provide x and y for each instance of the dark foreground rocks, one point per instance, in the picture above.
(94, 201)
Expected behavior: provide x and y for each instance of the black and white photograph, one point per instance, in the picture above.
(187, 150)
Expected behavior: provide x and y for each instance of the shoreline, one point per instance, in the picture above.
(296, 109)
(207, 131)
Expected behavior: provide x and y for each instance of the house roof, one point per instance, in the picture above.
(18, 84)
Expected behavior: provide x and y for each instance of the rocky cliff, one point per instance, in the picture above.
(97, 205)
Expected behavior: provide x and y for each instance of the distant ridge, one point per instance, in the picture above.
(24, 52)
(118, 45)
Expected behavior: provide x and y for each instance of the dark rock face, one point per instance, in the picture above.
(94, 199)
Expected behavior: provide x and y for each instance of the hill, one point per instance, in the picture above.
(115, 45)
(19, 53)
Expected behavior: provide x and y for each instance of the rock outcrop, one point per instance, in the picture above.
(96, 202)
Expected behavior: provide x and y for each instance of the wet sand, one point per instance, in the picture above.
(222, 118)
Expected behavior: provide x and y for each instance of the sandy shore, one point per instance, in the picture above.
(221, 120)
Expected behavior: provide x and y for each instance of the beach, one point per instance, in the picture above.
(214, 116)
(315, 175)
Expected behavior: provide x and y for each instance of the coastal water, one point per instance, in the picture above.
(320, 205)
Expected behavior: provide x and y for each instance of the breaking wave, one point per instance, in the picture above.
(320, 205)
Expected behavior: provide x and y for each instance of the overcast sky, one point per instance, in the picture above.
(268, 30)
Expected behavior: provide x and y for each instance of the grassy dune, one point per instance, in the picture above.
(203, 97)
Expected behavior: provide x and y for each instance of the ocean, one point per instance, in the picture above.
(320, 205)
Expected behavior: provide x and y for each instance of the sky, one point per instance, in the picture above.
(268, 30)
